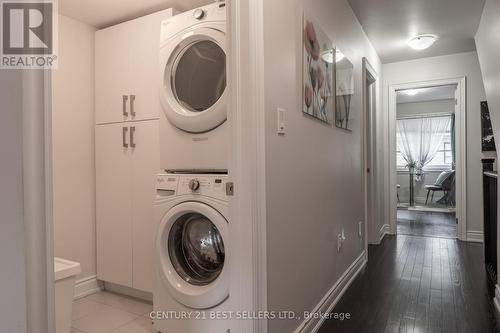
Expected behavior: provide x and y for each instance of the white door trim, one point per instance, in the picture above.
(371, 235)
(246, 117)
(37, 188)
(460, 143)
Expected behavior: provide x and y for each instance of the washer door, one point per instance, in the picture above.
(193, 82)
(190, 244)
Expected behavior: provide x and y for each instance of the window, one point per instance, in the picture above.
(443, 158)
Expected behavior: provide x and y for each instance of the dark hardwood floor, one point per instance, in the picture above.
(418, 284)
(426, 224)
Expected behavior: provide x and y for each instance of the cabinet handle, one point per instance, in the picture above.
(132, 110)
(124, 105)
(124, 137)
(132, 132)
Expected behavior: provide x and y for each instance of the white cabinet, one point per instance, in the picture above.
(127, 70)
(113, 204)
(127, 148)
(126, 164)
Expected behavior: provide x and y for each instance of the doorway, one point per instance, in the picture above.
(427, 142)
(425, 161)
(370, 87)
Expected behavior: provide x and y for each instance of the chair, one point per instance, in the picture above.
(444, 183)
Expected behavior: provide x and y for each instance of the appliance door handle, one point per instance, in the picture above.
(132, 109)
(124, 105)
(124, 137)
(132, 132)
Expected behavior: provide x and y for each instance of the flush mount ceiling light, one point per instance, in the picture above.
(422, 42)
(411, 92)
(328, 56)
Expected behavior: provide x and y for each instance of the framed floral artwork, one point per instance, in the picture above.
(344, 70)
(318, 98)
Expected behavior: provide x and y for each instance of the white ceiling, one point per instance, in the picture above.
(427, 94)
(103, 13)
(390, 23)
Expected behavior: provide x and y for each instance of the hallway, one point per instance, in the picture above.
(418, 284)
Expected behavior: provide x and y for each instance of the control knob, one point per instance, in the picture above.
(199, 14)
(194, 184)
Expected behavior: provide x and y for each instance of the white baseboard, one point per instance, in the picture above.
(117, 289)
(332, 297)
(87, 286)
(496, 302)
(385, 230)
(475, 236)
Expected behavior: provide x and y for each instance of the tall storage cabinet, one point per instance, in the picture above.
(127, 149)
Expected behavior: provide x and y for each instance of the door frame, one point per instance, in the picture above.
(460, 146)
(247, 163)
(372, 235)
(247, 213)
(38, 200)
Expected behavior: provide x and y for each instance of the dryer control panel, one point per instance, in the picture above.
(213, 186)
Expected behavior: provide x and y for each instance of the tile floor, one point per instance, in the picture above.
(105, 312)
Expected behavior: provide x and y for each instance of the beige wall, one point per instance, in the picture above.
(73, 144)
(446, 67)
(12, 254)
(314, 172)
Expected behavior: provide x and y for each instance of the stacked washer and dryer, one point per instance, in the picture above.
(192, 275)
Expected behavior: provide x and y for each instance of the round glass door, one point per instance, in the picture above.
(193, 81)
(198, 76)
(196, 249)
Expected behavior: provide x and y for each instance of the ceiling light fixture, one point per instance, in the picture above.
(411, 92)
(328, 56)
(422, 42)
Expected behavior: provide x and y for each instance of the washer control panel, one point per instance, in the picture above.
(206, 185)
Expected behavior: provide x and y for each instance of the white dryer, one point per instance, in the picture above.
(193, 94)
(192, 274)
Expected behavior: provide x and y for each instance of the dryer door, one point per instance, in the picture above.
(192, 257)
(193, 82)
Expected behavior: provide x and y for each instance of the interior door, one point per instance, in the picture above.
(145, 166)
(114, 204)
(112, 47)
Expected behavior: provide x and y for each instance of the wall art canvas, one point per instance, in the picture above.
(344, 90)
(318, 98)
(487, 138)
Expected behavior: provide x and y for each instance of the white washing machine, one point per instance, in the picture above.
(193, 127)
(192, 274)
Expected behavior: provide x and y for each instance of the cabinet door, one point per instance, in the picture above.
(145, 166)
(114, 204)
(144, 74)
(112, 74)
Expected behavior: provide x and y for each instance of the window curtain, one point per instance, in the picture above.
(419, 139)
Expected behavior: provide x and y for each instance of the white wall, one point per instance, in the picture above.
(488, 49)
(12, 254)
(445, 67)
(314, 173)
(73, 146)
(430, 107)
